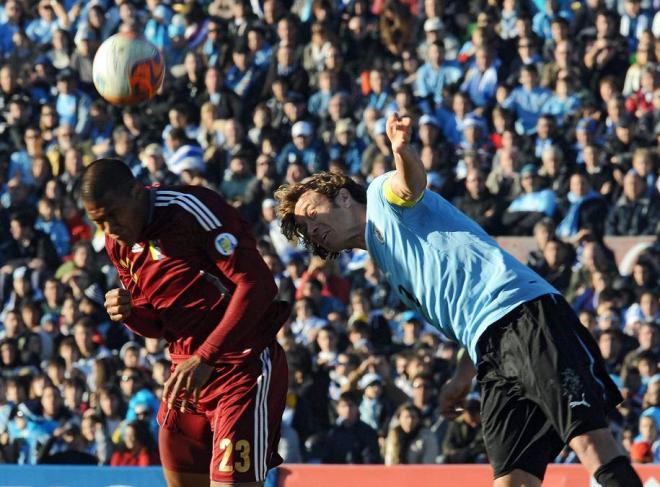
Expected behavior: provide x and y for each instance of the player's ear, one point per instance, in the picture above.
(343, 198)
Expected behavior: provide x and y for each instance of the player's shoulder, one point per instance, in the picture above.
(375, 188)
(196, 205)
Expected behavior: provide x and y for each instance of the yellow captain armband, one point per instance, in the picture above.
(397, 200)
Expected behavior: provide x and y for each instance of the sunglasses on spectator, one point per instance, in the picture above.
(126, 378)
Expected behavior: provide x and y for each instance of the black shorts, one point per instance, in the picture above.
(543, 382)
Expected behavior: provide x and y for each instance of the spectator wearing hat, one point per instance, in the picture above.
(409, 441)
(634, 213)
(379, 147)
(531, 206)
(347, 147)
(436, 74)
(186, 154)
(375, 407)
(82, 58)
(153, 168)
(435, 31)
(305, 147)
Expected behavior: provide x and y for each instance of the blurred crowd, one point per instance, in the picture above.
(535, 117)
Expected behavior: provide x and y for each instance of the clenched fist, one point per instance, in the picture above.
(118, 304)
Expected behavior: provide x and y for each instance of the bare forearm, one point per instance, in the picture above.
(412, 173)
(465, 369)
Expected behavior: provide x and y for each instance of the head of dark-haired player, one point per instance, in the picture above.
(115, 200)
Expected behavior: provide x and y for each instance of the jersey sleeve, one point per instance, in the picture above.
(232, 249)
(380, 193)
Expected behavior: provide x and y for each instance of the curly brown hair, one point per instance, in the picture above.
(326, 183)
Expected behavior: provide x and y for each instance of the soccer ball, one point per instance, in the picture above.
(127, 69)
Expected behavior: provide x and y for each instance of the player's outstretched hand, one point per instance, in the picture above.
(118, 304)
(451, 397)
(399, 129)
(187, 381)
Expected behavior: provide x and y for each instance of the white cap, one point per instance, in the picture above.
(301, 128)
(433, 24)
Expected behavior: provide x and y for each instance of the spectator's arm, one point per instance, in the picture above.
(61, 13)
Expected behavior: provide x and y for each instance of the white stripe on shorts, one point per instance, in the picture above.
(261, 417)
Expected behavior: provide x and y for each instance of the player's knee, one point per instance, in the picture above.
(618, 472)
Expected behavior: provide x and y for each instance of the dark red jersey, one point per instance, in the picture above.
(196, 277)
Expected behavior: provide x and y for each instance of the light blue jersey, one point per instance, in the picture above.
(445, 265)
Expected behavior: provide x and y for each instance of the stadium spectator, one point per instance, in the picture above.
(351, 440)
(463, 441)
(635, 213)
(408, 441)
(137, 448)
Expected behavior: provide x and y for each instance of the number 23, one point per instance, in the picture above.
(242, 448)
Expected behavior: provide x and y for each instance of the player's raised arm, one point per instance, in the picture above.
(407, 185)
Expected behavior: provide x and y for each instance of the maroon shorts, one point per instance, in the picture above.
(236, 428)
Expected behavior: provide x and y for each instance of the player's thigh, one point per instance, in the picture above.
(565, 373)
(182, 479)
(246, 424)
(184, 441)
(516, 433)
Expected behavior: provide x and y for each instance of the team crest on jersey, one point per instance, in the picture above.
(137, 248)
(225, 244)
(379, 235)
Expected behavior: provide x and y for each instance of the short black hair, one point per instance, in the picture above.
(105, 176)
